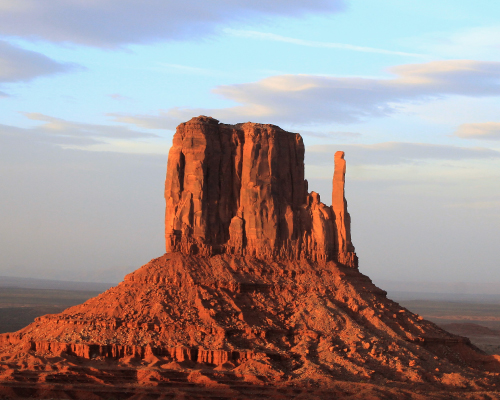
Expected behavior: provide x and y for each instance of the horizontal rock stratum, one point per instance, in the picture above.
(258, 296)
(240, 189)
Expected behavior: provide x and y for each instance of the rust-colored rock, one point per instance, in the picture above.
(256, 297)
(345, 249)
(240, 189)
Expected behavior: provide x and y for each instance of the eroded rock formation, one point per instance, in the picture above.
(240, 189)
(256, 298)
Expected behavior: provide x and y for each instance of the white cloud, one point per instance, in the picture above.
(482, 130)
(306, 99)
(17, 64)
(311, 43)
(112, 23)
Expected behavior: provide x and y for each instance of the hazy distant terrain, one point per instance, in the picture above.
(441, 291)
(479, 321)
(24, 299)
(20, 306)
(32, 283)
(466, 309)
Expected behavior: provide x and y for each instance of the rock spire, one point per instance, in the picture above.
(240, 189)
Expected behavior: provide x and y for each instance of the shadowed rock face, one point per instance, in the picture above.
(240, 189)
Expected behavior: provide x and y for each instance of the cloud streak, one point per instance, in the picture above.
(311, 43)
(113, 23)
(60, 132)
(309, 99)
(58, 126)
(482, 130)
(20, 65)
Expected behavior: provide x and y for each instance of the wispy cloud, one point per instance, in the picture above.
(20, 65)
(309, 99)
(481, 130)
(164, 120)
(311, 43)
(114, 23)
(61, 133)
(69, 134)
(119, 97)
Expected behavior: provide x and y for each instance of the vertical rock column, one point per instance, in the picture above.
(240, 189)
(193, 187)
(345, 249)
(272, 191)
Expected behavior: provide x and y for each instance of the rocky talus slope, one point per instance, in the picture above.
(258, 295)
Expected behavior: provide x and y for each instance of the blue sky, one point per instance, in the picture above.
(91, 91)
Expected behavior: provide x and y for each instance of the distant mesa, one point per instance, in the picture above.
(258, 296)
(240, 189)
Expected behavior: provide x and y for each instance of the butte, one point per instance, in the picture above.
(258, 295)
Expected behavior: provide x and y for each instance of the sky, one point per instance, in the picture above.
(91, 92)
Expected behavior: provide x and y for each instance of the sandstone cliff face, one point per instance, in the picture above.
(240, 189)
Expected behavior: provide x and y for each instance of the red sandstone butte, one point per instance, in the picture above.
(258, 296)
(240, 189)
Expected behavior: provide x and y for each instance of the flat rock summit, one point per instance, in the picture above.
(258, 295)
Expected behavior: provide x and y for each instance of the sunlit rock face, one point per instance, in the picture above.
(258, 296)
(240, 189)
